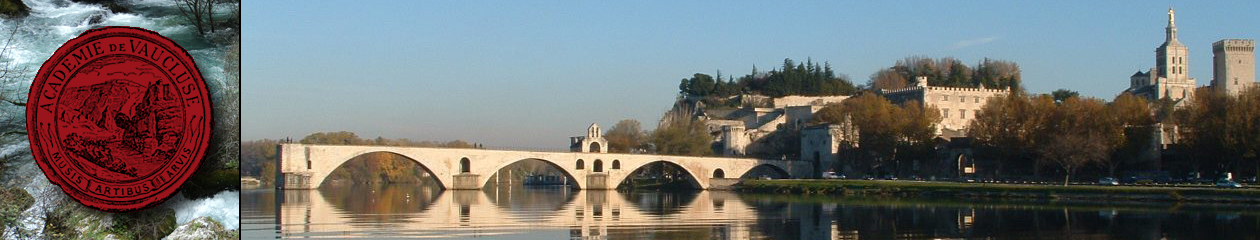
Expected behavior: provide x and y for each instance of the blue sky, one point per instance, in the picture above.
(529, 74)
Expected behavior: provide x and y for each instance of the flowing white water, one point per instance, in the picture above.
(223, 207)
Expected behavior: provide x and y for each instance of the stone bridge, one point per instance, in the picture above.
(305, 166)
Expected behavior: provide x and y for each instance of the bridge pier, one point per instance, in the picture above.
(466, 181)
(722, 183)
(296, 180)
(597, 181)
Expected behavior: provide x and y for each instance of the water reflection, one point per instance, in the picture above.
(551, 213)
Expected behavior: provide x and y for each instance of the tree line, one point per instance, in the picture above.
(947, 72)
(807, 78)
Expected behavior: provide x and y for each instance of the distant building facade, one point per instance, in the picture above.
(958, 105)
(739, 132)
(1233, 65)
(824, 144)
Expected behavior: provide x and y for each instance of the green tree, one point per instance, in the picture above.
(1063, 94)
(625, 137)
(333, 138)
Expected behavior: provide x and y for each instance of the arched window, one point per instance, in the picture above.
(580, 165)
(599, 165)
(465, 165)
(594, 147)
(719, 173)
(616, 164)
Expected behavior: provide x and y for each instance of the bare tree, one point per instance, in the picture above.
(9, 70)
(198, 12)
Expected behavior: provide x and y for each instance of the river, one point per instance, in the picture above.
(413, 211)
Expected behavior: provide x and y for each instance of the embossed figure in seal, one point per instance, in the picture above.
(119, 118)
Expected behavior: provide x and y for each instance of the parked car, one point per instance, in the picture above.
(764, 177)
(832, 175)
(1108, 181)
(1228, 184)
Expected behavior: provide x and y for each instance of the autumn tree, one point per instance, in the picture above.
(1072, 151)
(890, 133)
(1222, 130)
(1008, 130)
(684, 136)
(1081, 131)
(887, 79)
(625, 137)
(1135, 119)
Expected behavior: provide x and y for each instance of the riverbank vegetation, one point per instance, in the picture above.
(999, 191)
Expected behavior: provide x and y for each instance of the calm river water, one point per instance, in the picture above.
(410, 211)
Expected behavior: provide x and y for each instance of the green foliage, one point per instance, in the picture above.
(58, 224)
(948, 72)
(890, 134)
(1063, 94)
(915, 188)
(154, 223)
(809, 79)
(625, 136)
(683, 137)
(13, 201)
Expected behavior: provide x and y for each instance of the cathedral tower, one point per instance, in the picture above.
(1171, 67)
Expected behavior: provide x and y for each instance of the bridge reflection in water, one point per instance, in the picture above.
(557, 213)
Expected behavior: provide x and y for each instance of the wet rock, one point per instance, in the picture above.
(14, 8)
(202, 228)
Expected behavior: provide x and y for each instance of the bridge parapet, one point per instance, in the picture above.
(305, 166)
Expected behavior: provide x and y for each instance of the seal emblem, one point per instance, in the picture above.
(119, 118)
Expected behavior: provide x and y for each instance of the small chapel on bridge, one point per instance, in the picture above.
(593, 142)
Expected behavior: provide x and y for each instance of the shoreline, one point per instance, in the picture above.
(999, 191)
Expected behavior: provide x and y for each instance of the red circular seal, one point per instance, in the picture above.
(119, 117)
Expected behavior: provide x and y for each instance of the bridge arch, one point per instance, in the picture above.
(568, 173)
(433, 173)
(769, 170)
(693, 177)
